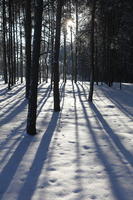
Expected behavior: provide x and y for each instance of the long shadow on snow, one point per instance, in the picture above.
(78, 153)
(12, 165)
(120, 100)
(117, 188)
(39, 161)
(50, 155)
(44, 99)
(5, 90)
(17, 129)
(12, 94)
(113, 136)
(17, 99)
(9, 138)
(117, 100)
(9, 170)
(15, 111)
(128, 156)
(11, 104)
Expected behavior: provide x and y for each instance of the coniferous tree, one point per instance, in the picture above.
(92, 49)
(28, 29)
(4, 42)
(32, 108)
(56, 56)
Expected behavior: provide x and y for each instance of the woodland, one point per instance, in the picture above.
(66, 99)
(78, 40)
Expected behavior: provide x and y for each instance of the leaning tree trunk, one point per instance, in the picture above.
(32, 109)
(92, 50)
(56, 57)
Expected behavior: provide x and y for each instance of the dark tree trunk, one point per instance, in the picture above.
(14, 44)
(21, 49)
(52, 41)
(92, 50)
(10, 63)
(56, 57)
(32, 109)
(72, 56)
(4, 44)
(65, 58)
(28, 45)
(17, 51)
(76, 47)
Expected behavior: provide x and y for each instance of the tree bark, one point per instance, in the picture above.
(92, 50)
(76, 47)
(28, 45)
(4, 44)
(65, 57)
(32, 109)
(56, 56)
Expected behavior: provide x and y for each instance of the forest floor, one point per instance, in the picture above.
(85, 152)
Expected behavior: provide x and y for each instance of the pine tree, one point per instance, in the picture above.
(56, 56)
(32, 108)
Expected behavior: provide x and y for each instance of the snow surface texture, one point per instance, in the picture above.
(85, 152)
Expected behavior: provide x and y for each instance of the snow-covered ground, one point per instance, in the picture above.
(85, 152)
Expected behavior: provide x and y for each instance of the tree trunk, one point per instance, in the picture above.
(72, 57)
(28, 45)
(56, 57)
(32, 109)
(4, 44)
(21, 48)
(65, 58)
(76, 47)
(92, 50)
(52, 42)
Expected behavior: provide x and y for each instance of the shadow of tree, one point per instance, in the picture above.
(128, 156)
(120, 100)
(12, 165)
(16, 92)
(39, 160)
(78, 153)
(117, 189)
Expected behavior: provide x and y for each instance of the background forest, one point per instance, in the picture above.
(78, 40)
(66, 99)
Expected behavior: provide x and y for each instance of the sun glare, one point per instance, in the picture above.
(70, 23)
(70, 27)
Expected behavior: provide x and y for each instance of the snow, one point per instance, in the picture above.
(85, 152)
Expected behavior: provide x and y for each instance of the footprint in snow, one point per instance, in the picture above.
(22, 179)
(93, 197)
(72, 142)
(53, 180)
(110, 106)
(86, 147)
(45, 184)
(79, 171)
(77, 190)
(77, 177)
(61, 153)
(51, 169)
